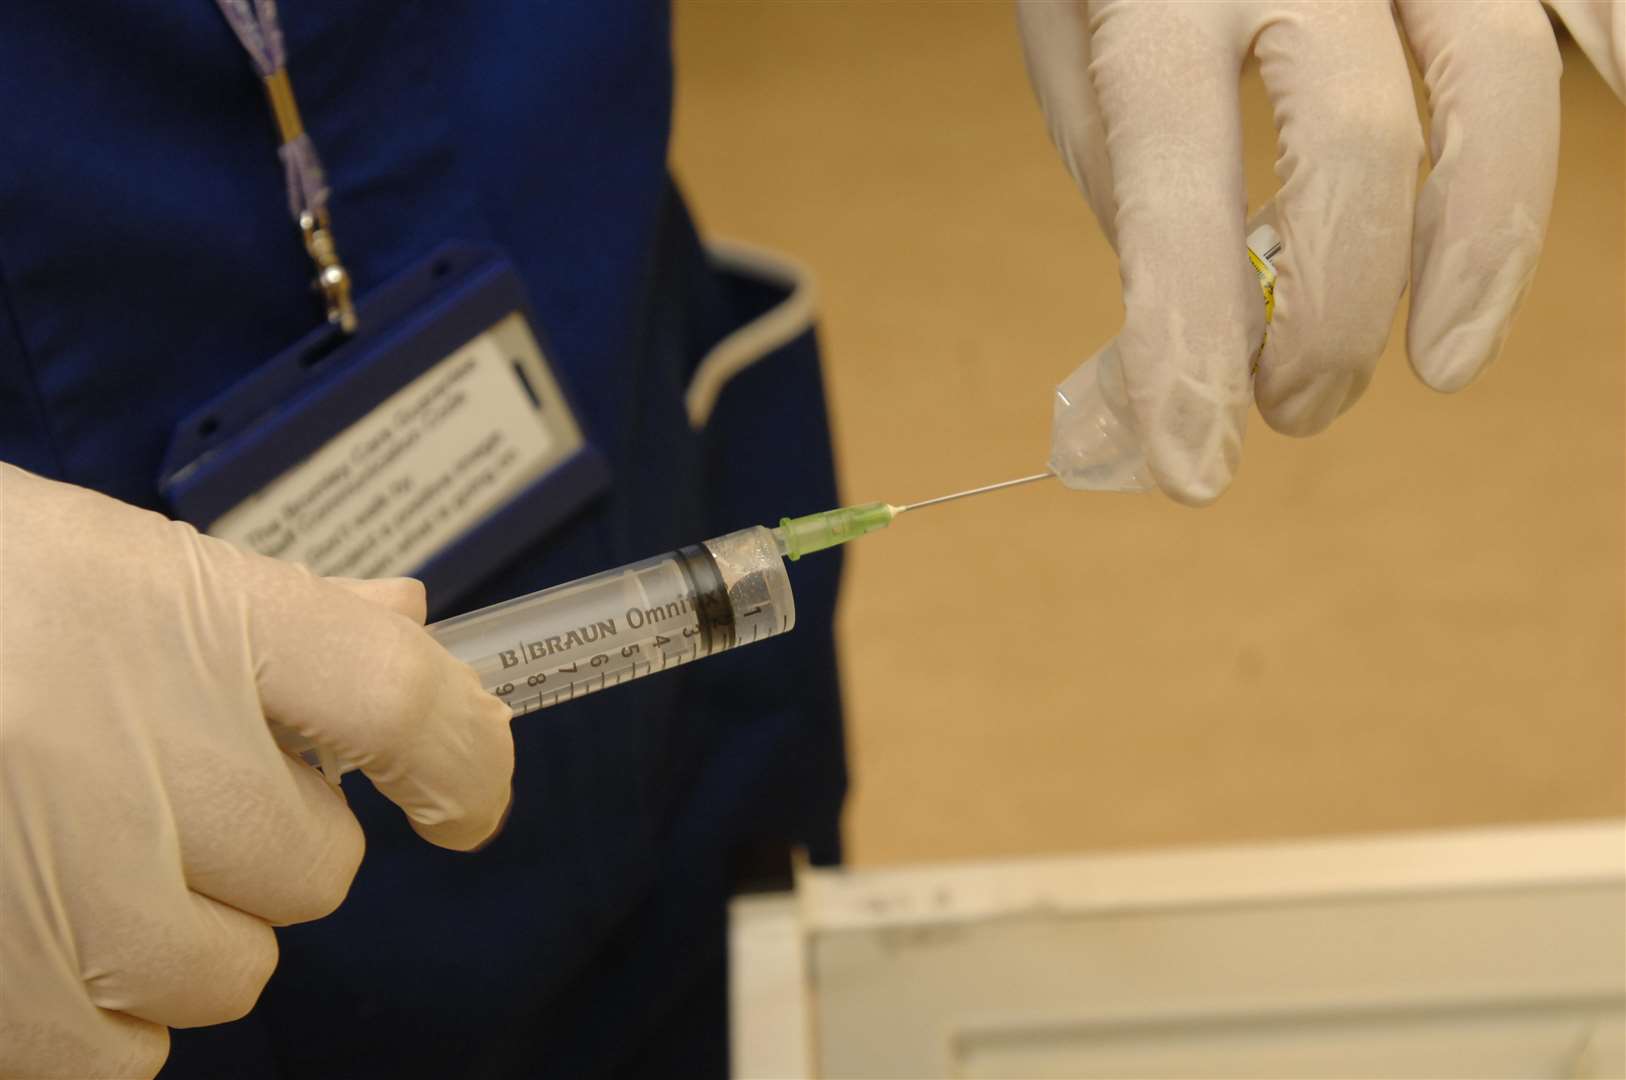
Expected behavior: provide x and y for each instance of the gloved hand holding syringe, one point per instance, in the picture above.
(601, 631)
(575, 639)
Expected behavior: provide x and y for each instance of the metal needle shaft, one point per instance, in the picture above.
(977, 491)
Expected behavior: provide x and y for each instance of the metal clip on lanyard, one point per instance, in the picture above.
(256, 27)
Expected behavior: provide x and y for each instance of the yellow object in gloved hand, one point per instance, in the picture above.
(151, 832)
(1142, 100)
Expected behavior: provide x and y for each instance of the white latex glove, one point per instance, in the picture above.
(1142, 100)
(151, 833)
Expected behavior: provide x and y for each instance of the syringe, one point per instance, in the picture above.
(584, 636)
(601, 631)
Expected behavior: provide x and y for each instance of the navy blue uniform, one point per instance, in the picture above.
(147, 262)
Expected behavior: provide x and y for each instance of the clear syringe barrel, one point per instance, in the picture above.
(587, 635)
(584, 636)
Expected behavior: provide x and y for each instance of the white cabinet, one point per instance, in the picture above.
(1473, 954)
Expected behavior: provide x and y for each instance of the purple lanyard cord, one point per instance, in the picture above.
(255, 24)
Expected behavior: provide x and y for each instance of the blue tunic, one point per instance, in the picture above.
(147, 262)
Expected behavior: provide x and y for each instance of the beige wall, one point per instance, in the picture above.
(1413, 620)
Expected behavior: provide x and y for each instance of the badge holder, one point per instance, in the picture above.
(435, 441)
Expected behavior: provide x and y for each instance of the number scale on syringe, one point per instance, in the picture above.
(601, 631)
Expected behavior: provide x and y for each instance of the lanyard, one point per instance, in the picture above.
(255, 23)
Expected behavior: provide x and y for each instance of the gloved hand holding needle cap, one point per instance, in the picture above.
(1142, 101)
(151, 832)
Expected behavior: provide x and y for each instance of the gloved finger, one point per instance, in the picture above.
(172, 957)
(1192, 315)
(1056, 46)
(49, 1027)
(376, 689)
(118, 916)
(259, 831)
(1350, 147)
(49, 1030)
(402, 594)
(1599, 28)
(1492, 74)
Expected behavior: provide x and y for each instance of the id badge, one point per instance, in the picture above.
(435, 442)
